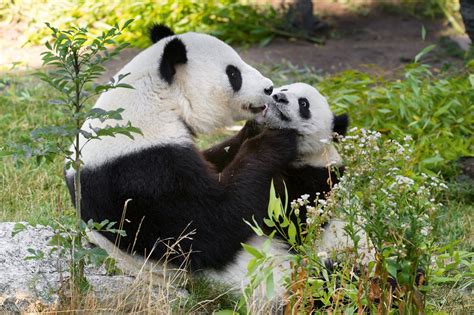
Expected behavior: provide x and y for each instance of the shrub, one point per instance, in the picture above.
(230, 20)
(396, 209)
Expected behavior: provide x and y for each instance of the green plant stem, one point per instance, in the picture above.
(77, 162)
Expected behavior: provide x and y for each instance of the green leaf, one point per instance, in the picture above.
(268, 222)
(292, 233)
(269, 286)
(124, 85)
(225, 312)
(17, 228)
(423, 52)
(392, 269)
(252, 251)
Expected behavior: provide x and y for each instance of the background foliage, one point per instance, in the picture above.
(235, 21)
(231, 20)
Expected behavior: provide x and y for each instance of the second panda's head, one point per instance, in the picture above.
(204, 77)
(301, 107)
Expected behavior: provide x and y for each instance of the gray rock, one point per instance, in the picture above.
(32, 285)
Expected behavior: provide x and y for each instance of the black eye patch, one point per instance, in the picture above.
(304, 108)
(235, 77)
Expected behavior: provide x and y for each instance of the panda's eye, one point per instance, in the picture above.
(303, 102)
(304, 108)
(235, 77)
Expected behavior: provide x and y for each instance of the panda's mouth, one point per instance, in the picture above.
(281, 115)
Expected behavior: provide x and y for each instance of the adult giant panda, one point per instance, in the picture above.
(183, 84)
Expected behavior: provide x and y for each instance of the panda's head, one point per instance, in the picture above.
(301, 107)
(204, 79)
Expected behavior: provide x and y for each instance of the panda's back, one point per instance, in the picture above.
(155, 183)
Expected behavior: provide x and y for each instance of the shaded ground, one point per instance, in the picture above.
(377, 42)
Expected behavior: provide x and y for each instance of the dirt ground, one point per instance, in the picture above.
(377, 41)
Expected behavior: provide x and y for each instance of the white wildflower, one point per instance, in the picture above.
(322, 202)
(323, 255)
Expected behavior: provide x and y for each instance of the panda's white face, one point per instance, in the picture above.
(218, 84)
(300, 106)
(182, 84)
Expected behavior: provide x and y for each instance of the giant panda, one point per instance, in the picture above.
(159, 188)
(300, 107)
(317, 165)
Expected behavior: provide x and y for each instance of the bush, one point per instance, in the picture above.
(229, 20)
(395, 208)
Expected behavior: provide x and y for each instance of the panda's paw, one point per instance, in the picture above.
(282, 143)
(251, 129)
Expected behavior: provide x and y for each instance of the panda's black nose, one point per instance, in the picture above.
(280, 98)
(268, 90)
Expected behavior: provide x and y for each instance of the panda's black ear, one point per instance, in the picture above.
(159, 31)
(340, 124)
(174, 53)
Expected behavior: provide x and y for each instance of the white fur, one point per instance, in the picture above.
(315, 134)
(200, 96)
(335, 239)
(326, 157)
(235, 273)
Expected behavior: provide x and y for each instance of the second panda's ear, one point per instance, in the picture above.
(174, 53)
(340, 124)
(159, 31)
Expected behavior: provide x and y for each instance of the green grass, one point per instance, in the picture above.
(31, 192)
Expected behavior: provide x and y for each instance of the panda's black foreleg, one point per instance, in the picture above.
(223, 153)
(246, 181)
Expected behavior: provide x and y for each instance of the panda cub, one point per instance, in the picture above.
(317, 166)
(301, 107)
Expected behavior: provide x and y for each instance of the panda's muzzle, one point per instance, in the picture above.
(280, 113)
(280, 98)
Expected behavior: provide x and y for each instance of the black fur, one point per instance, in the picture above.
(298, 180)
(303, 103)
(280, 98)
(235, 77)
(174, 53)
(159, 31)
(307, 180)
(174, 190)
(340, 124)
(223, 153)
